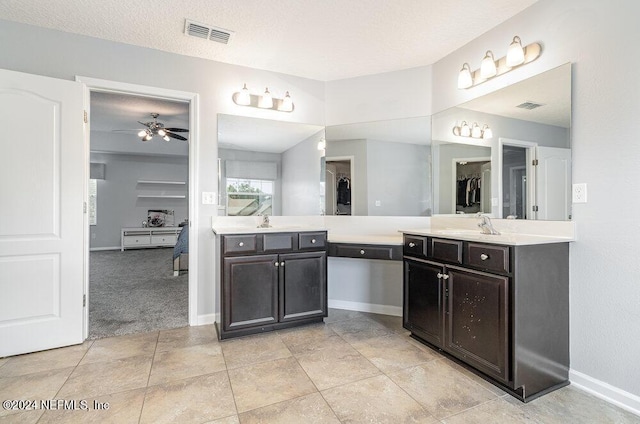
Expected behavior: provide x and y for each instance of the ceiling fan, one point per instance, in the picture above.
(157, 128)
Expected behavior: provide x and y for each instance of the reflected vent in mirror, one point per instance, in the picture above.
(207, 32)
(529, 105)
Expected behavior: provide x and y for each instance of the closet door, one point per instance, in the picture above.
(42, 183)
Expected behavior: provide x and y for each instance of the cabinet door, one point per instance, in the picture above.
(250, 291)
(423, 312)
(477, 320)
(303, 286)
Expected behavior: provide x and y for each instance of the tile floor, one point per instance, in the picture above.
(356, 367)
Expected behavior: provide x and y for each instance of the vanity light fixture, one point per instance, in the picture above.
(263, 101)
(474, 131)
(322, 144)
(491, 68)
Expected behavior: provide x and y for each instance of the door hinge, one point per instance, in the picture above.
(534, 162)
(84, 207)
(86, 119)
(84, 300)
(535, 209)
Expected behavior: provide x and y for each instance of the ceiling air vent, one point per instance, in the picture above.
(529, 105)
(207, 32)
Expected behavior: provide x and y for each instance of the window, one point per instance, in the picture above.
(246, 197)
(93, 202)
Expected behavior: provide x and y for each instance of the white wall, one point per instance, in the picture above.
(62, 55)
(600, 38)
(301, 178)
(118, 202)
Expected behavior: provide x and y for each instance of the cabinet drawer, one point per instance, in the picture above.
(164, 239)
(415, 246)
(446, 250)
(277, 242)
(487, 256)
(239, 244)
(312, 240)
(143, 240)
(365, 251)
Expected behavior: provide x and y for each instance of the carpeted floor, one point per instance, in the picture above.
(135, 291)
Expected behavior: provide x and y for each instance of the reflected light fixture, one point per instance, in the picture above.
(244, 98)
(266, 101)
(287, 104)
(515, 53)
(486, 132)
(491, 67)
(474, 131)
(322, 144)
(488, 66)
(465, 131)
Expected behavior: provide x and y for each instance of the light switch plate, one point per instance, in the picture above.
(208, 198)
(579, 193)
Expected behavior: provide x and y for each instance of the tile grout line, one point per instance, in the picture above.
(146, 388)
(226, 370)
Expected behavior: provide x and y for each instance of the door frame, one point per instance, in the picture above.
(454, 177)
(352, 167)
(530, 149)
(108, 86)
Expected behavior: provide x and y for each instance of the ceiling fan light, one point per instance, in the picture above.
(165, 137)
(266, 101)
(476, 132)
(142, 133)
(243, 98)
(465, 80)
(147, 137)
(488, 67)
(161, 132)
(465, 131)
(486, 132)
(287, 103)
(515, 53)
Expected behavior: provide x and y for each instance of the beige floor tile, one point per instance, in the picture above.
(53, 359)
(37, 386)
(359, 329)
(121, 347)
(391, 322)
(497, 411)
(227, 420)
(375, 400)
(253, 350)
(186, 362)
(185, 337)
(26, 417)
(336, 315)
(192, 400)
(119, 408)
(3, 361)
(267, 383)
(441, 389)
(393, 352)
(103, 378)
(336, 365)
(309, 339)
(570, 405)
(307, 409)
(481, 381)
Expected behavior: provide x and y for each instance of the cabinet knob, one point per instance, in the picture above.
(412, 244)
(484, 257)
(445, 276)
(277, 264)
(241, 244)
(281, 263)
(439, 275)
(313, 241)
(362, 252)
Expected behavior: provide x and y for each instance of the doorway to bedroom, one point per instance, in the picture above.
(138, 214)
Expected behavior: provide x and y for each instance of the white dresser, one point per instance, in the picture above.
(137, 238)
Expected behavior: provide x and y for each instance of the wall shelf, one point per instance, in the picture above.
(161, 196)
(162, 182)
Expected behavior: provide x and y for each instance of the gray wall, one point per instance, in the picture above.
(118, 204)
(301, 178)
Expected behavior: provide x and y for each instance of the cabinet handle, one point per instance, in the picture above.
(484, 257)
(241, 244)
(281, 263)
(445, 276)
(362, 252)
(412, 244)
(439, 275)
(313, 241)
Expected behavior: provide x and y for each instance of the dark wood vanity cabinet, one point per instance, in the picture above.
(502, 310)
(263, 292)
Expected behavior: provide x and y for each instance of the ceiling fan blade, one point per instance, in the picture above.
(176, 129)
(130, 130)
(176, 136)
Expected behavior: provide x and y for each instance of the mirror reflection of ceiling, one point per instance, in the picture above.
(115, 111)
(410, 130)
(551, 89)
(261, 135)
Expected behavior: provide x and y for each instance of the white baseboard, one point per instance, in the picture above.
(605, 391)
(366, 307)
(98, 249)
(206, 319)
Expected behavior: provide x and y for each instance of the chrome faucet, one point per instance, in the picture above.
(265, 222)
(485, 225)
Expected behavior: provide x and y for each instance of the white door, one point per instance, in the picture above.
(553, 183)
(41, 213)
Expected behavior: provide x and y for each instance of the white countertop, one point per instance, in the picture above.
(386, 239)
(259, 230)
(512, 239)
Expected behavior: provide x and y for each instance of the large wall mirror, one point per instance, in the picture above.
(522, 166)
(385, 165)
(268, 167)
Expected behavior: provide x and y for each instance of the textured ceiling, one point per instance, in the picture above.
(319, 39)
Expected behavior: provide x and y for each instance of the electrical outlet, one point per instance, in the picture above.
(378, 203)
(579, 194)
(208, 198)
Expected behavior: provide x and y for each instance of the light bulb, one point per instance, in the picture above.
(142, 133)
(486, 132)
(515, 53)
(287, 103)
(243, 97)
(488, 66)
(161, 132)
(166, 138)
(147, 137)
(465, 131)
(266, 101)
(476, 132)
(465, 80)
